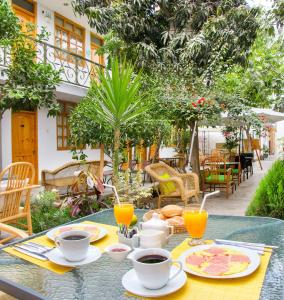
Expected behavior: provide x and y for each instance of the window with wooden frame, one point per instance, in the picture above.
(96, 43)
(70, 37)
(62, 127)
(25, 10)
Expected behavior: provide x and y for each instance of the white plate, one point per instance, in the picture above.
(132, 284)
(56, 257)
(78, 226)
(253, 256)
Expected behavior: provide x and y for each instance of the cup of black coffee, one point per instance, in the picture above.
(73, 244)
(153, 266)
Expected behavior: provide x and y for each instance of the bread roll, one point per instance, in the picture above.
(176, 221)
(162, 217)
(171, 211)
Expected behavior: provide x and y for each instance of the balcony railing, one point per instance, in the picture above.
(73, 68)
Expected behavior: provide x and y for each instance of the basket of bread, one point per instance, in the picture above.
(170, 213)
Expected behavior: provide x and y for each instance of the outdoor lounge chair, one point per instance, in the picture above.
(63, 177)
(215, 174)
(173, 184)
(18, 181)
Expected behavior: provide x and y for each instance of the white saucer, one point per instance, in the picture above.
(56, 257)
(131, 283)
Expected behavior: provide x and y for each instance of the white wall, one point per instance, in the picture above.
(209, 137)
(48, 155)
(6, 136)
(279, 134)
(45, 18)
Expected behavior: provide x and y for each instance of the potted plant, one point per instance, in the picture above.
(232, 138)
(265, 152)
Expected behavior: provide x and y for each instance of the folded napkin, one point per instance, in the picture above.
(109, 239)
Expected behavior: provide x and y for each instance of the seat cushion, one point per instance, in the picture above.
(167, 187)
(217, 178)
(235, 171)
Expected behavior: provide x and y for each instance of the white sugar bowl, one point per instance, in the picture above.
(156, 223)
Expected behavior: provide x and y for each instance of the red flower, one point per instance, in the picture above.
(201, 100)
(193, 104)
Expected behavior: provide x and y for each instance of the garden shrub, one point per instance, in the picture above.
(45, 215)
(269, 197)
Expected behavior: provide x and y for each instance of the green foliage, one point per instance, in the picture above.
(260, 82)
(9, 25)
(132, 190)
(116, 95)
(232, 137)
(269, 197)
(192, 36)
(112, 103)
(45, 215)
(30, 85)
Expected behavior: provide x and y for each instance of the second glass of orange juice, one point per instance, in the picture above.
(123, 213)
(195, 223)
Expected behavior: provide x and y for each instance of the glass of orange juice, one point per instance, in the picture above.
(195, 223)
(123, 213)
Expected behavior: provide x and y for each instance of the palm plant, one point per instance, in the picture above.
(116, 99)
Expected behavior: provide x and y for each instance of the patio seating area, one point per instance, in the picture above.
(141, 150)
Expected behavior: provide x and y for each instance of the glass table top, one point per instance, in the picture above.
(102, 279)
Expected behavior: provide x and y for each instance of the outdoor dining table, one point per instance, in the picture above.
(102, 279)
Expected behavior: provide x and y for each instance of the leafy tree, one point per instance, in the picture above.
(232, 137)
(112, 103)
(186, 111)
(259, 83)
(204, 35)
(151, 127)
(9, 25)
(186, 40)
(30, 84)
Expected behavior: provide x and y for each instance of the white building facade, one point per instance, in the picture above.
(71, 47)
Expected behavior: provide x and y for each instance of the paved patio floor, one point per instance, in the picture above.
(237, 203)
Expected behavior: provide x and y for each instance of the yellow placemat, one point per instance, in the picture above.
(198, 288)
(110, 238)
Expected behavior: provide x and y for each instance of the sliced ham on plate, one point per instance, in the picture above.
(216, 269)
(195, 260)
(220, 259)
(239, 258)
(215, 250)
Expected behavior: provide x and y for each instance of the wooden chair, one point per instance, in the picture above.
(215, 174)
(13, 233)
(172, 183)
(17, 182)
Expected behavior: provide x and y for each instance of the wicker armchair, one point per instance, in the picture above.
(185, 185)
(18, 181)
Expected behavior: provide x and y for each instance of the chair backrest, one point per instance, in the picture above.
(216, 165)
(158, 169)
(15, 176)
(68, 169)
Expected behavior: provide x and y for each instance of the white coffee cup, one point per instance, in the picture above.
(73, 249)
(154, 275)
(148, 238)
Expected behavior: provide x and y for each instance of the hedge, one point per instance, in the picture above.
(269, 196)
